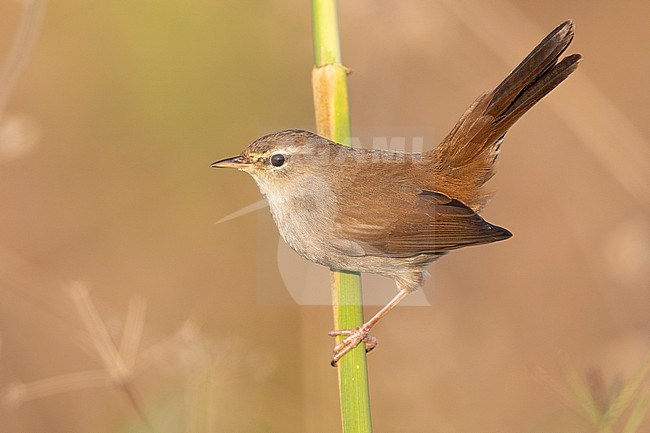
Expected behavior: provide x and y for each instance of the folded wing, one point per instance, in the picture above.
(432, 223)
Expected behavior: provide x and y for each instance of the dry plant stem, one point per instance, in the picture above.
(21, 48)
(329, 79)
(603, 417)
(638, 414)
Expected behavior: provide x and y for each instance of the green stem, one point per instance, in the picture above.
(333, 121)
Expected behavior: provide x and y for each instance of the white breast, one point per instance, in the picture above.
(304, 213)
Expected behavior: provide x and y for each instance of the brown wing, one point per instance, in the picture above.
(431, 223)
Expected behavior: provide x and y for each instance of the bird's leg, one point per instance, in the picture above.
(355, 336)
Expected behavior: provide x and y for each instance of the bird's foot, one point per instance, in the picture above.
(352, 339)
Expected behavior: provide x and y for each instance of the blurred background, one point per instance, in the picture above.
(124, 307)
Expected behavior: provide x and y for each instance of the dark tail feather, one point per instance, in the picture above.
(532, 94)
(466, 156)
(531, 69)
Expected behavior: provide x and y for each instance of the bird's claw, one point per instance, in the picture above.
(352, 339)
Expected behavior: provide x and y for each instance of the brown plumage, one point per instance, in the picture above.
(394, 213)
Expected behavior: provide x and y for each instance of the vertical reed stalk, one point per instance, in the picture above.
(329, 80)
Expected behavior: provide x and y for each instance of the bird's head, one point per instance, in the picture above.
(278, 160)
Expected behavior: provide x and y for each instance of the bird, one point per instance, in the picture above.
(394, 213)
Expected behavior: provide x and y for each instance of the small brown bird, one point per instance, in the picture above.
(395, 213)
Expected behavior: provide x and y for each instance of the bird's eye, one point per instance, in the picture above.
(278, 160)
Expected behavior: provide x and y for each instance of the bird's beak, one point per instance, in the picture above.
(234, 162)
